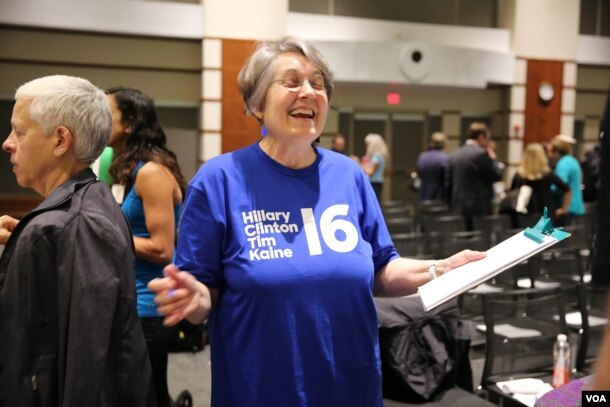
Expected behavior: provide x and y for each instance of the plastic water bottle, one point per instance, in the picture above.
(561, 361)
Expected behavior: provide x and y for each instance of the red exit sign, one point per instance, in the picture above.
(393, 98)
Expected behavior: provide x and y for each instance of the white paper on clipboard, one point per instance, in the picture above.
(503, 256)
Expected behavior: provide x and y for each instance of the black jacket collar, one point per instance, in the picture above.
(67, 189)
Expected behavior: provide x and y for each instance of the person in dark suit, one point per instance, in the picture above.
(431, 168)
(473, 168)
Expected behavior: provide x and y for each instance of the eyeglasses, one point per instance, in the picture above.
(295, 84)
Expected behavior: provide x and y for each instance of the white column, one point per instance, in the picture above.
(241, 19)
(516, 118)
(568, 98)
(211, 100)
(236, 19)
(546, 29)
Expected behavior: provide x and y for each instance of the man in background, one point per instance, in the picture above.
(338, 144)
(473, 169)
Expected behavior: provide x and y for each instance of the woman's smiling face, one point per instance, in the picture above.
(296, 103)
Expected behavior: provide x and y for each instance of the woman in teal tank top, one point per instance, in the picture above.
(154, 190)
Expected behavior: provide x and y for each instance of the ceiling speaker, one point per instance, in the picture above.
(415, 61)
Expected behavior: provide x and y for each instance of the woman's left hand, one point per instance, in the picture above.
(458, 259)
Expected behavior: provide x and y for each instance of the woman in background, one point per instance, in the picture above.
(536, 173)
(373, 163)
(154, 190)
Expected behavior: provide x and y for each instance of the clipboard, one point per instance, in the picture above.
(501, 257)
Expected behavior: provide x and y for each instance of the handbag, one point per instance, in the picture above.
(516, 200)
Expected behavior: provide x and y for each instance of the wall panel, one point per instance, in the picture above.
(238, 130)
(542, 119)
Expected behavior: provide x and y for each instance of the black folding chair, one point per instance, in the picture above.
(437, 226)
(399, 225)
(491, 226)
(521, 327)
(411, 245)
(592, 304)
(400, 212)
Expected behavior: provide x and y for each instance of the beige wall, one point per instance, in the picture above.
(167, 69)
(591, 89)
(546, 29)
(240, 19)
(421, 98)
(169, 64)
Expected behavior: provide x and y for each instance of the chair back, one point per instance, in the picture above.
(443, 223)
(528, 220)
(491, 226)
(454, 242)
(593, 306)
(564, 261)
(399, 225)
(398, 203)
(398, 212)
(411, 245)
(521, 327)
(429, 208)
(437, 226)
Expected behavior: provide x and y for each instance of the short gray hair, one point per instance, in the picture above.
(257, 74)
(75, 103)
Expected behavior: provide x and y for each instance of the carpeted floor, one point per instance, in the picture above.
(191, 371)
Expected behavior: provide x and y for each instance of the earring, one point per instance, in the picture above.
(264, 131)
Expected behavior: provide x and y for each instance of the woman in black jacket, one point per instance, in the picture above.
(536, 173)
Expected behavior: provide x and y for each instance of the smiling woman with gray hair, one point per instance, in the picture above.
(282, 258)
(70, 331)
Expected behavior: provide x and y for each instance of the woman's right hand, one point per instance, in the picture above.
(180, 296)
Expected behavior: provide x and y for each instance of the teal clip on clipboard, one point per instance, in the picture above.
(545, 227)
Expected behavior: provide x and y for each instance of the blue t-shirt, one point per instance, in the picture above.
(293, 253)
(568, 169)
(377, 176)
(133, 208)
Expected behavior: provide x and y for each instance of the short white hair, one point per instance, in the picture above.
(75, 103)
(375, 144)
